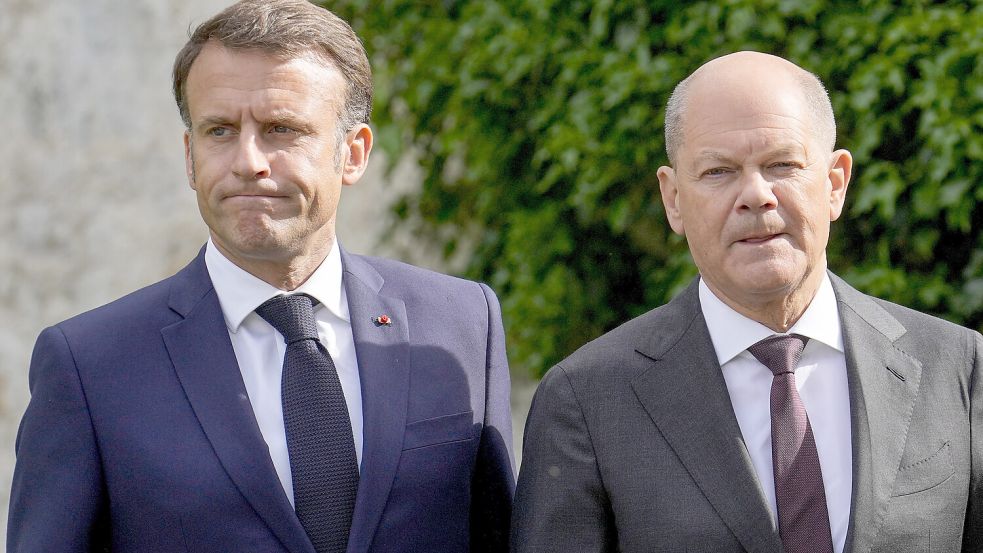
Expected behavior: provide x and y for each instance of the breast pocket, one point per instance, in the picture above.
(925, 474)
(439, 430)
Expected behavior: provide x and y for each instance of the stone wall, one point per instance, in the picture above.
(95, 200)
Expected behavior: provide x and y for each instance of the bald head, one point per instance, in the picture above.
(750, 80)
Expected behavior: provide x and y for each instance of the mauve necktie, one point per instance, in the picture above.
(323, 465)
(803, 520)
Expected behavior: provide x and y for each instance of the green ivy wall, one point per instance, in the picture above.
(538, 127)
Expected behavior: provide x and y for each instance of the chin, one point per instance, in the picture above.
(254, 241)
(771, 278)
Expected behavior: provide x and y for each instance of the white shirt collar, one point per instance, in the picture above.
(240, 293)
(732, 333)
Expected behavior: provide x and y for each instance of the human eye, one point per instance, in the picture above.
(217, 131)
(786, 164)
(286, 127)
(715, 172)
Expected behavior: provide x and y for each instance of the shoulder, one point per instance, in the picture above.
(621, 340)
(918, 322)
(928, 337)
(115, 334)
(410, 282)
(893, 319)
(146, 310)
(132, 310)
(392, 268)
(621, 352)
(925, 337)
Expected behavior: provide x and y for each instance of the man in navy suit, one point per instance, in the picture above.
(156, 422)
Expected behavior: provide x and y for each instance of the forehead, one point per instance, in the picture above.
(221, 75)
(743, 137)
(746, 114)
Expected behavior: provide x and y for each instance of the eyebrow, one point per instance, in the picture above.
(709, 155)
(212, 120)
(714, 155)
(277, 118)
(788, 151)
(287, 118)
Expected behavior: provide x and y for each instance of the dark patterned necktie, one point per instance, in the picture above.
(323, 465)
(803, 521)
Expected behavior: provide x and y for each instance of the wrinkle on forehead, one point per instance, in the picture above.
(748, 148)
(722, 141)
(744, 104)
(767, 125)
(232, 72)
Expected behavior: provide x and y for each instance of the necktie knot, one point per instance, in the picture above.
(291, 315)
(780, 353)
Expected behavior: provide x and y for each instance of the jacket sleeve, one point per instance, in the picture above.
(561, 504)
(493, 483)
(57, 501)
(973, 530)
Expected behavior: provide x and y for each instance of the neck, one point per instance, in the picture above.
(776, 311)
(285, 272)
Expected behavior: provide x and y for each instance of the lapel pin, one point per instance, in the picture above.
(382, 320)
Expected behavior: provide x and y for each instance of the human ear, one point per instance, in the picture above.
(668, 186)
(189, 162)
(840, 167)
(359, 146)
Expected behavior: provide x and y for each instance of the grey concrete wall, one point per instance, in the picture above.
(95, 202)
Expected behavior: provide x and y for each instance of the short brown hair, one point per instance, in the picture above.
(288, 29)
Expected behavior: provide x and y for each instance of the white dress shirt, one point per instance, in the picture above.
(822, 383)
(259, 348)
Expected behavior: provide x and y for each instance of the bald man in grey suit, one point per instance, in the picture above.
(658, 435)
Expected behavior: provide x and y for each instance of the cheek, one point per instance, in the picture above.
(810, 198)
(304, 164)
(815, 214)
(811, 228)
(207, 168)
(205, 183)
(704, 240)
(705, 221)
(698, 209)
(320, 171)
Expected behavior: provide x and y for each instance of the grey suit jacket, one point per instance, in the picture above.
(632, 443)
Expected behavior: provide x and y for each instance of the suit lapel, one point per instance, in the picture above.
(206, 366)
(684, 393)
(884, 382)
(383, 355)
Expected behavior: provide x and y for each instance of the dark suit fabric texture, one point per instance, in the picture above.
(139, 435)
(632, 444)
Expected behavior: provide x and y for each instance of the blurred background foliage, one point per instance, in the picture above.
(538, 128)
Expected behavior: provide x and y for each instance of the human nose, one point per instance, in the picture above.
(757, 194)
(250, 161)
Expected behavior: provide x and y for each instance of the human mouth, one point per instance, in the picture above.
(760, 239)
(255, 195)
(253, 200)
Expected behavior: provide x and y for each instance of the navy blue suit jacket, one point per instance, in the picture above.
(139, 435)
